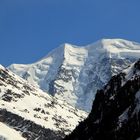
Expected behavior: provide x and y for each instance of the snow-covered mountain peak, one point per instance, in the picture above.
(74, 73)
(115, 45)
(60, 51)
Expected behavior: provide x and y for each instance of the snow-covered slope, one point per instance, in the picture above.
(115, 113)
(74, 73)
(32, 112)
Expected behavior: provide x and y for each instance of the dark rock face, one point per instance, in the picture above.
(115, 113)
(29, 129)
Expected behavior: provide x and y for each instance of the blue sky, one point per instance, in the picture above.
(29, 29)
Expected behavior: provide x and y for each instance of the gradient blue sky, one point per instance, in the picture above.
(29, 29)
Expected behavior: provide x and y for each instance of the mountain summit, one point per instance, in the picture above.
(74, 73)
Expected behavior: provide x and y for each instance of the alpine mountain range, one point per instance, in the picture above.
(74, 73)
(75, 92)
